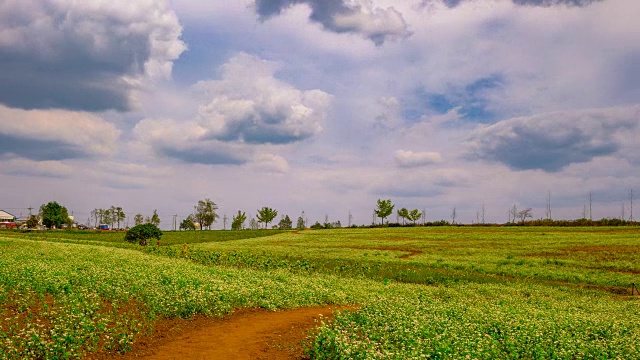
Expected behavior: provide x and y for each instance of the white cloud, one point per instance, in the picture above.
(26, 167)
(249, 104)
(409, 159)
(354, 16)
(270, 163)
(49, 135)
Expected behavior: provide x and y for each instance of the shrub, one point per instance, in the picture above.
(141, 233)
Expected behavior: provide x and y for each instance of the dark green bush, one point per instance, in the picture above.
(142, 233)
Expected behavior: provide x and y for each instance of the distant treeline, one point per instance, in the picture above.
(542, 222)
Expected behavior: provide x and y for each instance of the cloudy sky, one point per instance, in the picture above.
(320, 105)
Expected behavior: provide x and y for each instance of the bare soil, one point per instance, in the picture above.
(246, 334)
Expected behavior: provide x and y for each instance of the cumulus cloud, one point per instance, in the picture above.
(407, 159)
(270, 163)
(346, 16)
(55, 135)
(246, 108)
(26, 167)
(250, 105)
(552, 141)
(453, 3)
(83, 55)
(187, 142)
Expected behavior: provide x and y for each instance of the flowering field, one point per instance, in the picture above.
(436, 293)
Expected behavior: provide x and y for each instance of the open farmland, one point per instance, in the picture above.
(450, 292)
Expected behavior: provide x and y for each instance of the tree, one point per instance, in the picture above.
(384, 209)
(454, 213)
(237, 223)
(524, 214)
(155, 219)
(138, 219)
(513, 213)
(205, 213)
(95, 215)
(266, 215)
(142, 233)
(404, 214)
(120, 216)
(285, 223)
(300, 223)
(414, 215)
(53, 215)
(106, 217)
(187, 223)
(253, 224)
(32, 222)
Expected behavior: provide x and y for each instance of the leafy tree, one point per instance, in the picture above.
(238, 221)
(266, 215)
(404, 214)
(138, 219)
(414, 215)
(384, 209)
(32, 222)
(106, 217)
(285, 223)
(300, 223)
(317, 226)
(155, 219)
(53, 214)
(120, 216)
(205, 213)
(142, 233)
(188, 223)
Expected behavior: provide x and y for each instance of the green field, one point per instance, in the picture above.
(445, 292)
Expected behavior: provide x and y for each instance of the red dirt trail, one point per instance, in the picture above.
(246, 334)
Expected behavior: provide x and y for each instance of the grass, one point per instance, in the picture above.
(449, 292)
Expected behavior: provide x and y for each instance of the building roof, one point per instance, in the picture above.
(6, 216)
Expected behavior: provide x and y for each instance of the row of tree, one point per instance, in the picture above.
(384, 209)
(115, 216)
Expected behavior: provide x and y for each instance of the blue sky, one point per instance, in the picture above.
(320, 106)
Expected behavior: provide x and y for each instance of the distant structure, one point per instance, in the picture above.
(7, 220)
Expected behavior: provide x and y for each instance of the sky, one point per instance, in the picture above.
(321, 106)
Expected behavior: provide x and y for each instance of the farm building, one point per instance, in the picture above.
(7, 220)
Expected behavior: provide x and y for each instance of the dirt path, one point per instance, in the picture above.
(246, 334)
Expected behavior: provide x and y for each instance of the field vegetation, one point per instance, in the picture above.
(444, 292)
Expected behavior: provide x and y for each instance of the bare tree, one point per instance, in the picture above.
(513, 213)
(453, 216)
(524, 214)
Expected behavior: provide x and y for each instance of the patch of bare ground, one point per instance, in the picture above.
(246, 334)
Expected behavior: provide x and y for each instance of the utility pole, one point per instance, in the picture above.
(631, 204)
(175, 222)
(548, 205)
(590, 214)
(424, 216)
(350, 218)
(224, 222)
(483, 213)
